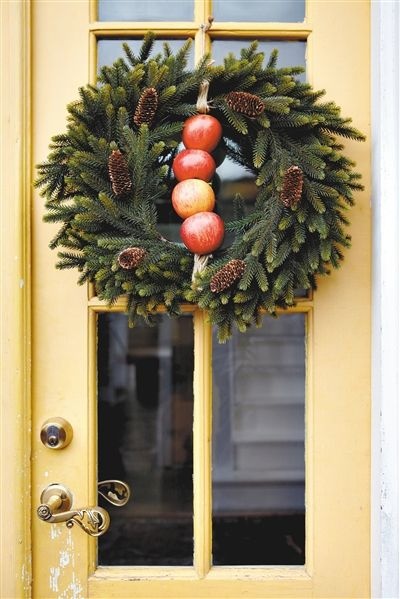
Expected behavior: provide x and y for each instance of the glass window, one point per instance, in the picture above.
(258, 445)
(291, 53)
(148, 10)
(108, 51)
(259, 10)
(145, 422)
(233, 178)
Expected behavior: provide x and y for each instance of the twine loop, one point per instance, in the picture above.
(202, 102)
(199, 264)
(204, 27)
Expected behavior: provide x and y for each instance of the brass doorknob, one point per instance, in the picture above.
(56, 504)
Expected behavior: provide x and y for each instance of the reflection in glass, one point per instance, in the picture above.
(258, 445)
(145, 421)
(279, 11)
(148, 10)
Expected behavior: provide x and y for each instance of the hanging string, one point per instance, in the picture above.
(204, 27)
(202, 104)
(200, 262)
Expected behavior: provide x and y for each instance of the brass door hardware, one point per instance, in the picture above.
(56, 504)
(115, 491)
(56, 433)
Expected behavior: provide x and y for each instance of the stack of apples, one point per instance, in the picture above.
(193, 198)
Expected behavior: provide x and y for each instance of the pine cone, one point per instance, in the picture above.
(131, 258)
(119, 173)
(227, 275)
(147, 107)
(246, 103)
(292, 186)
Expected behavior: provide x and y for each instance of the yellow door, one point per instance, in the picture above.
(269, 481)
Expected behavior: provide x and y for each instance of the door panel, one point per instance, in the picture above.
(327, 462)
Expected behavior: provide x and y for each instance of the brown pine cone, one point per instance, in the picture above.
(245, 103)
(119, 173)
(131, 258)
(227, 275)
(292, 186)
(147, 107)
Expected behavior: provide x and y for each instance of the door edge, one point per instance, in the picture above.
(15, 189)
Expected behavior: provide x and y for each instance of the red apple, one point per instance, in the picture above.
(203, 232)
(194, 164)
(202, 132)
(191, 196)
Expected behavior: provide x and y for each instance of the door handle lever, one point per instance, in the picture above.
(115, 492)
(56, 504)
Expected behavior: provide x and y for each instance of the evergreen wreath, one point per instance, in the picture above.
(105, 177)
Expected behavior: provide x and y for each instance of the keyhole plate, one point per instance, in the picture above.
(56, 433)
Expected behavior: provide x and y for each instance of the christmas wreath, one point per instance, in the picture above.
(112, 174)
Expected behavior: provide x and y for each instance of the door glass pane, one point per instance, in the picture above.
(291, 53)
(259, 10)
(258, 445)
(109, 50)
(147, 10)
(233, 178)
(145, 421)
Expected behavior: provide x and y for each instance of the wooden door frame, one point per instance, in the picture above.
(16, 176)
(15, 542)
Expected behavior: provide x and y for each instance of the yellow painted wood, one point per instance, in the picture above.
(200, 12)
(60, 327)
(127, 29)
(121, 305)
(178, 29)
(273, 31)
(220, 582)
(93, 10)
(202, 389)
(341, 327)
(169, 588)
(15, 193)
(201, 39)
(309, 437)
(338, 360)
(92, 460)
